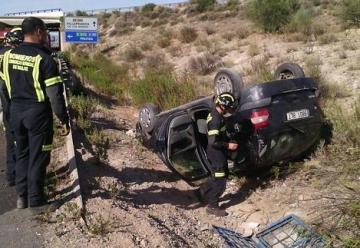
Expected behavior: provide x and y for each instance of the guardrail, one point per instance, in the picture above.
(33, 12)
(126, 9)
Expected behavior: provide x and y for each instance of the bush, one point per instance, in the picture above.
(84, 106)
(302, 22)
(327, 39)
(204, 64)
(203, 5)
(232, 4)
(147, 8)
(188, 34)
(133, 54)
(163, 88)
(100, 142)
(350, 11)
(107, 77)
(272, 15)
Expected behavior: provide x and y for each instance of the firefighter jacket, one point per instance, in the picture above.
(31, 76)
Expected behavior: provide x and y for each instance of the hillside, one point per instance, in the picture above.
(174, 54)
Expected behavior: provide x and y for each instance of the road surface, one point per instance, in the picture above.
(17, 227)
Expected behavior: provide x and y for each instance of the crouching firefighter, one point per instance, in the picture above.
(12, 39)
(35, 89)
(217, 149)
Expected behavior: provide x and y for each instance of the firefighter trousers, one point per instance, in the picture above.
(10, 154)
(33, 128)
(215, 186)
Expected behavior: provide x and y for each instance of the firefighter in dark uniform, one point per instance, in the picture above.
(12, 39)
(217, 149)
(36, 90)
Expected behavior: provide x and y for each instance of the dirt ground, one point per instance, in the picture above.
(133, 200)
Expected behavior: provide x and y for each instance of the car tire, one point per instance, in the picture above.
(147, 116)
(228, 80)
(288, 71)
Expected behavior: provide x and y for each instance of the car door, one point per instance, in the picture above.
(184, 154)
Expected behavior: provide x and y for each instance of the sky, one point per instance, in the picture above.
(11, 6)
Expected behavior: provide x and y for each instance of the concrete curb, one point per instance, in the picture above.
(74, 173)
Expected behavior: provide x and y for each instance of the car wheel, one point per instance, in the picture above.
(147, 116)
(228, 80)
(289, 71)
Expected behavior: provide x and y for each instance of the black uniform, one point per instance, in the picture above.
(10, 139)
(217, 155)
(35, 89)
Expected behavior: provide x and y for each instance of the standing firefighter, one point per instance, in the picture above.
(217, 149)
(35, 90)
(12, 39)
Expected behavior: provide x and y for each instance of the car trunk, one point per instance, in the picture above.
(291, 119)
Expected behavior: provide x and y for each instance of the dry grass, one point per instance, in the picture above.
(204, 64)
(253, 49)
(187, 34)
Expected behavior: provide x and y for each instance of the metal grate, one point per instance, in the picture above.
(289, 232)
(233, 239)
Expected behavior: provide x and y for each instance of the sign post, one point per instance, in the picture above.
(81, 30)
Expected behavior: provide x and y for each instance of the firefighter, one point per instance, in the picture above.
(217, 150)
(12, 39)
(36, 91)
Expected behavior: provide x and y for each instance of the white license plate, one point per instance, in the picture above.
(300, 114)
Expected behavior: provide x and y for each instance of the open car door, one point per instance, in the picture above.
(185, 156)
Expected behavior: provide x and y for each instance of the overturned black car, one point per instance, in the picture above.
(276, 121)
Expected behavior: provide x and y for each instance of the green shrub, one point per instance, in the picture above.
(107, 77)
(148, 8)
(350, 11)
(272, 15)
(100, 142)
(188, 34)
(203, 5)
(163, 88)
(232, 4)
(84, 106)
(302, 21)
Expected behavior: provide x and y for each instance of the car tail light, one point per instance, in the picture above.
(260, 118)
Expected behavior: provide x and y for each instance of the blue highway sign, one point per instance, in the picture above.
(81, 36)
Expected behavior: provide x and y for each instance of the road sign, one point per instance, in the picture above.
(81, 30)
(81, 36)
(81, 23)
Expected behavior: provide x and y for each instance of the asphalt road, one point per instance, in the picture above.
(17, 227)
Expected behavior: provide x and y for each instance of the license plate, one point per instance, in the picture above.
(300, 114)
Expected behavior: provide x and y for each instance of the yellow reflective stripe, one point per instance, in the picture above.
(213, 132)
(209, 118)
(219, 174)
(46, 148)
(223, 129)
(6, 72)
(15, 29)
(37, 86)
(52, 81)
(228, 96)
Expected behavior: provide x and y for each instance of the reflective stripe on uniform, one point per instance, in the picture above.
(223, 129)
(213, 132)
(219, 174)
(209, 118)
(46, 148)
(35, 74)
(6, 72)
(52, 81)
